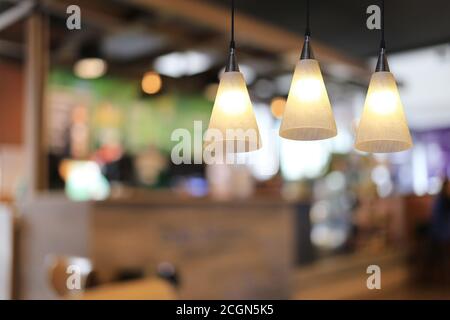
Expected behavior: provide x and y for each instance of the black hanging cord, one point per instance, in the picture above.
(232, 65)
(308, 29)
(382, 63)
(232, 43)
(383, 42)
(307, 51)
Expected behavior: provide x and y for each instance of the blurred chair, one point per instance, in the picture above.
(69, 276)
(168, 272)
(74, 278)
(135, 284)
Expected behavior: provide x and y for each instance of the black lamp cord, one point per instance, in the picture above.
(382, 63)
(232, 43)
(308, 29)
(382, 42)
(232, 65)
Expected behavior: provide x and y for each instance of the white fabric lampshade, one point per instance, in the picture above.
(308, 114)
(383, 126)
(232, 116)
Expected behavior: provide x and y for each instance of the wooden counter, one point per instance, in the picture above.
(228, 250)
(231, 250)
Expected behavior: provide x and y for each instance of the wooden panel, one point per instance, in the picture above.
(220, 251)
(11, 103)
(36, 67)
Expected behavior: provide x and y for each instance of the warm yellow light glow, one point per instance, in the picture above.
(232, 117)
(233, 102)
(308, 89)
(90, 68)
(277, 107)
(382, 102)
(383, 126)
(308, 114)
(151, 83)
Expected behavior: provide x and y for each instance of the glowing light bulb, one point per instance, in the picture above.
(308, 114)
(383, 127)
(383, 102)
(308, 89)
(90, 68)
(151, 83)
(277, 107)
(232, 117)
(233, 102)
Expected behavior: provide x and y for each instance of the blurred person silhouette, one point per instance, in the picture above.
(439, 251)
(440, 220)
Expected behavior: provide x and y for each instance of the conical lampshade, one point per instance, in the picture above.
(308, 114)
(233, 120)
(383, 127)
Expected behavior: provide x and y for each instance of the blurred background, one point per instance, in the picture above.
(88, 188)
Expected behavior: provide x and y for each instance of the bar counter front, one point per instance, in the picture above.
(238, 249)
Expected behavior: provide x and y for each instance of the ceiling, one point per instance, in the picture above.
(134, 36)
(339, 24)
(342, 24)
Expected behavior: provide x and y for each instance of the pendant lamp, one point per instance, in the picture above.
(383, 127)
(232, 119)
(308, 114)
(90, 65)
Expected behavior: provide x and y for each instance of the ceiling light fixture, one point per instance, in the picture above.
(383, 126)
(277, 106)
(308, 114)
(151, 82)
(182, 64)
(90, 65)
(232, 115)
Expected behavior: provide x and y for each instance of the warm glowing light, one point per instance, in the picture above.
(277, 107)
(151, 83)
(307, 89)
(233, 102)
(382, 102)
(232, 117)
(90, 68)
(383, 126)
(64, 169)
(308, 114)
